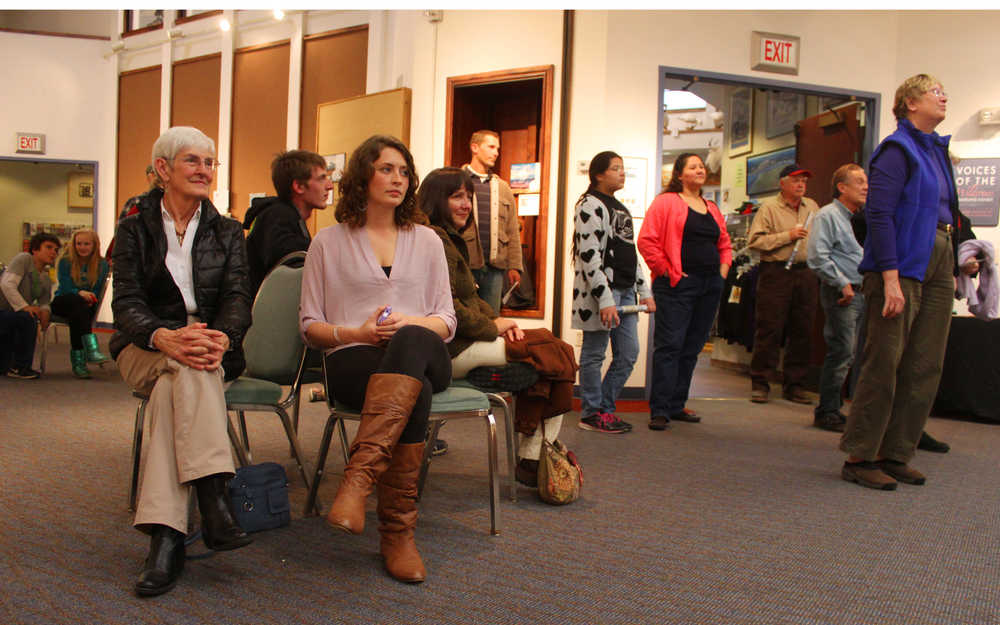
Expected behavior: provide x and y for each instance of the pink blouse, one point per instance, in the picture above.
(343, 284)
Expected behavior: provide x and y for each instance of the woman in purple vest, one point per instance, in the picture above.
(908, 267)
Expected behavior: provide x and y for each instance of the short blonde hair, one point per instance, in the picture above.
(912, 88)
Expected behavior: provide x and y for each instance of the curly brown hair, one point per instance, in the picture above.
(353, 202)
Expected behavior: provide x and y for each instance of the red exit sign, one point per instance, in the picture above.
(770, 52)
(30, 143)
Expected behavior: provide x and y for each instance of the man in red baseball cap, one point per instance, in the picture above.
(786, 294)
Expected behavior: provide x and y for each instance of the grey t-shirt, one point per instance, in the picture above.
(21, 284)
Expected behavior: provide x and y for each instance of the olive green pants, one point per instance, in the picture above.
(901, 361)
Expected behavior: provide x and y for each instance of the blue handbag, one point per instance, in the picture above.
(259, 494)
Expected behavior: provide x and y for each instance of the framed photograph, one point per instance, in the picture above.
(784, 110)
(80, 190)
(335, 164)
(740, 121)
(763, 170)
(526, 177)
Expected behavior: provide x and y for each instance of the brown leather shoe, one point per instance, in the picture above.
(867, 474)
(388, 401)
(758, 396)
(397, 514)
(902, 472)
(796, 395)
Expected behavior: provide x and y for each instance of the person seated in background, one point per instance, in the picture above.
(276, 226)
(385, 363)
(445, 198)
(82, 272)
(25, 291)
(131, 206)
(181, 308)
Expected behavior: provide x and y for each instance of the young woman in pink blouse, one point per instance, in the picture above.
(387, 363)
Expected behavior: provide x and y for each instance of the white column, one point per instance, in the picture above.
(166, 82)
(294, 82)
(221, 198)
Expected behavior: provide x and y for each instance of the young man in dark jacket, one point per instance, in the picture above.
(277, 225)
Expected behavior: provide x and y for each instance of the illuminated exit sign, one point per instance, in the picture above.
(770, 52)
(30, 143)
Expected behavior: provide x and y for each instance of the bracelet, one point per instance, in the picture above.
(336, 335)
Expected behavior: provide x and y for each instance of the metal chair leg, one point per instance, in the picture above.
(140, 417)
(432, 435)
(241, 454)
(508, 417)
(491, 441)
(312, 500)
(344, 447)
(243, 430)
(293, 440)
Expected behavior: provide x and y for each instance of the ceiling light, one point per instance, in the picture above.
(224, 25)
(279, 14)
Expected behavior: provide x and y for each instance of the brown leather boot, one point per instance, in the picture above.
(397, 514)
(388, 401)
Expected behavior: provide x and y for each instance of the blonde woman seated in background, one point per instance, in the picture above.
(82, 272)
(386, 364)
(445, 198)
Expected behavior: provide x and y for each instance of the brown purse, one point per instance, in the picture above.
(559, 473)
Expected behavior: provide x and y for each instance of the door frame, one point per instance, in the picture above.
(67, 161)
(545, 73)
(873, 110)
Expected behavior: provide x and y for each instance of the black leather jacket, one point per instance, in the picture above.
(146, 297)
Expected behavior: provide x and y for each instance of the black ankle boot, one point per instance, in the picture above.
(219, 528)
(163, 564)
(929, 443)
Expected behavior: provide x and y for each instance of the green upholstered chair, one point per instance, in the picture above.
(504, 401)
(275, 357)
(455, 402)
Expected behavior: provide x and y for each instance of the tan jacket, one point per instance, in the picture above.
(505, 229)
(769, 230)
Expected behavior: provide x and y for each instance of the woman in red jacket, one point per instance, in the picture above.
(684, 241)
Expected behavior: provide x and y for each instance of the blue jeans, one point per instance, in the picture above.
(683, 319)
(840, 333)
(490, 281)
(18, 331)
(597, 395)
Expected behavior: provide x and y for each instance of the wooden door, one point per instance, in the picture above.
(826, 141)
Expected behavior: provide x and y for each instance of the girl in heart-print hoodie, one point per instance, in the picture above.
(607, 275)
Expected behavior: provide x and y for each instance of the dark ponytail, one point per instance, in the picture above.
(598, 165)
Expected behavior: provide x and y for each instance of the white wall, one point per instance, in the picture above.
(65, 89)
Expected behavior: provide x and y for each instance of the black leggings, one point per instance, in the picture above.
(78, 312)
(414, 351)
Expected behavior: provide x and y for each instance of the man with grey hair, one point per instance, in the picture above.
(786, 293)
(181, 307)
(834, 255)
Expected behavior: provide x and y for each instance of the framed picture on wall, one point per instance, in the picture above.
(763, 170)
(784, 110)
(740, 121)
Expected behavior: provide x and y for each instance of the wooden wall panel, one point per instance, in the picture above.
(195, 97)
(138, 128)
(260, 113)
(334, 67)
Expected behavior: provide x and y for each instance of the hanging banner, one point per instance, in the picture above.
(978, 183)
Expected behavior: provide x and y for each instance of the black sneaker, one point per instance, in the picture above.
(440, 447)
(603, 422)
(22, 373)
(625, 425)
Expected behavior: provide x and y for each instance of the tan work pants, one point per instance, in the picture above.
(188, 434)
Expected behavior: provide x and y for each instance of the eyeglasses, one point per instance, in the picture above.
(194, 162)
(938, 93)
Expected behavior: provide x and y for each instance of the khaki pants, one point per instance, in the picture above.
(901, 361)
(188, 434)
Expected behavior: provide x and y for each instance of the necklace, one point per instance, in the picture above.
(180, 236)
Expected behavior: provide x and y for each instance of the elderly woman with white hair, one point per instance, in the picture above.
(181, 307)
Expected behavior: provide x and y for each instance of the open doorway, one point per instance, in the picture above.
(44, 195)
(746, 129)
